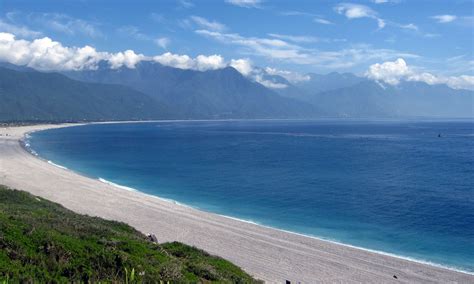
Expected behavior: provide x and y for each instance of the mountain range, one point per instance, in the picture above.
(154, 91)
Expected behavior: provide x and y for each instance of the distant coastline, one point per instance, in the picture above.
(18, 133)
(421, 261)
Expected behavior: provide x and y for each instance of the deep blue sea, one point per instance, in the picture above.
(390, 186)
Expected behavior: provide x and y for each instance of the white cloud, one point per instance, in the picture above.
(175, 60)
(380, 23)
(57, 22)
(460, 82)
(281, 50)
(201, 62)
(444, 18)
(186, 4)
(299, 39)
(207, 24)
(245, 3)
(292, 77)
(46, 54)
(162, 42)
(410, 26)
(211, 62)
(322, 21)
(431, 35)
(392, 72)
(355, 11)
(389, 72)
(128, 58)
(269, 84)
(268, 47)
(244, 66)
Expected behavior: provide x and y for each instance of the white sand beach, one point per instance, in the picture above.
(268, 254)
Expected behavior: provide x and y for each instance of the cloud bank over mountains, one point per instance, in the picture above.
(392, 72)
(45, 54)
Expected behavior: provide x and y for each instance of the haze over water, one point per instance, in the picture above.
(392, 186)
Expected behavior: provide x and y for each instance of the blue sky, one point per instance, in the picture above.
(298, 36)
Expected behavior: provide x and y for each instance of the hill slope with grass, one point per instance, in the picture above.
(41, 242)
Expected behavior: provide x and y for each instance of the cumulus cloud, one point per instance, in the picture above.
(355, 11)
(175, 60)
(208, 24)
(444, 18)
(44, 54)
(211, 62)
(201, 62)
(244, 66)
(245, 3)
(128, 58)
(392, 72)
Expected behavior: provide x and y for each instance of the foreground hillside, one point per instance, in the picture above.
(41, 241)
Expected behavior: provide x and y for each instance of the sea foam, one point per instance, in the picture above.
(116, 185)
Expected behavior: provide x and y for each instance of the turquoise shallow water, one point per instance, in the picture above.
(391, 186)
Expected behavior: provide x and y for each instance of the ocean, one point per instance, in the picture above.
(402, 187)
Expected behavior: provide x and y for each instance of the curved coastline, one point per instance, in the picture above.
(458, 274)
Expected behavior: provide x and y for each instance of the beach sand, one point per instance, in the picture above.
(268, 254)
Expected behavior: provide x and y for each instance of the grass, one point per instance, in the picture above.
(41, 241)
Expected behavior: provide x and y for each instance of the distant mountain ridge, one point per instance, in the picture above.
(36, 96)
(154, 91)
(222, 93)
(347, 95)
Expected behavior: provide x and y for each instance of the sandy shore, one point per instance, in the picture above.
(265, 253)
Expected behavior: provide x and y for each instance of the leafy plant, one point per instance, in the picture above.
(41, 241)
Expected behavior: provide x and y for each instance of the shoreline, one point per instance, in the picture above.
(443, 273)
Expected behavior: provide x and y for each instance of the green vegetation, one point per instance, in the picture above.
(41, 241)
(52, 97)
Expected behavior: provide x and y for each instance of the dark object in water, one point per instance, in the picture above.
(439, 135)
(395, 276)
(288, 282)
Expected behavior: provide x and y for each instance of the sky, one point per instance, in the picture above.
(388, 40)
